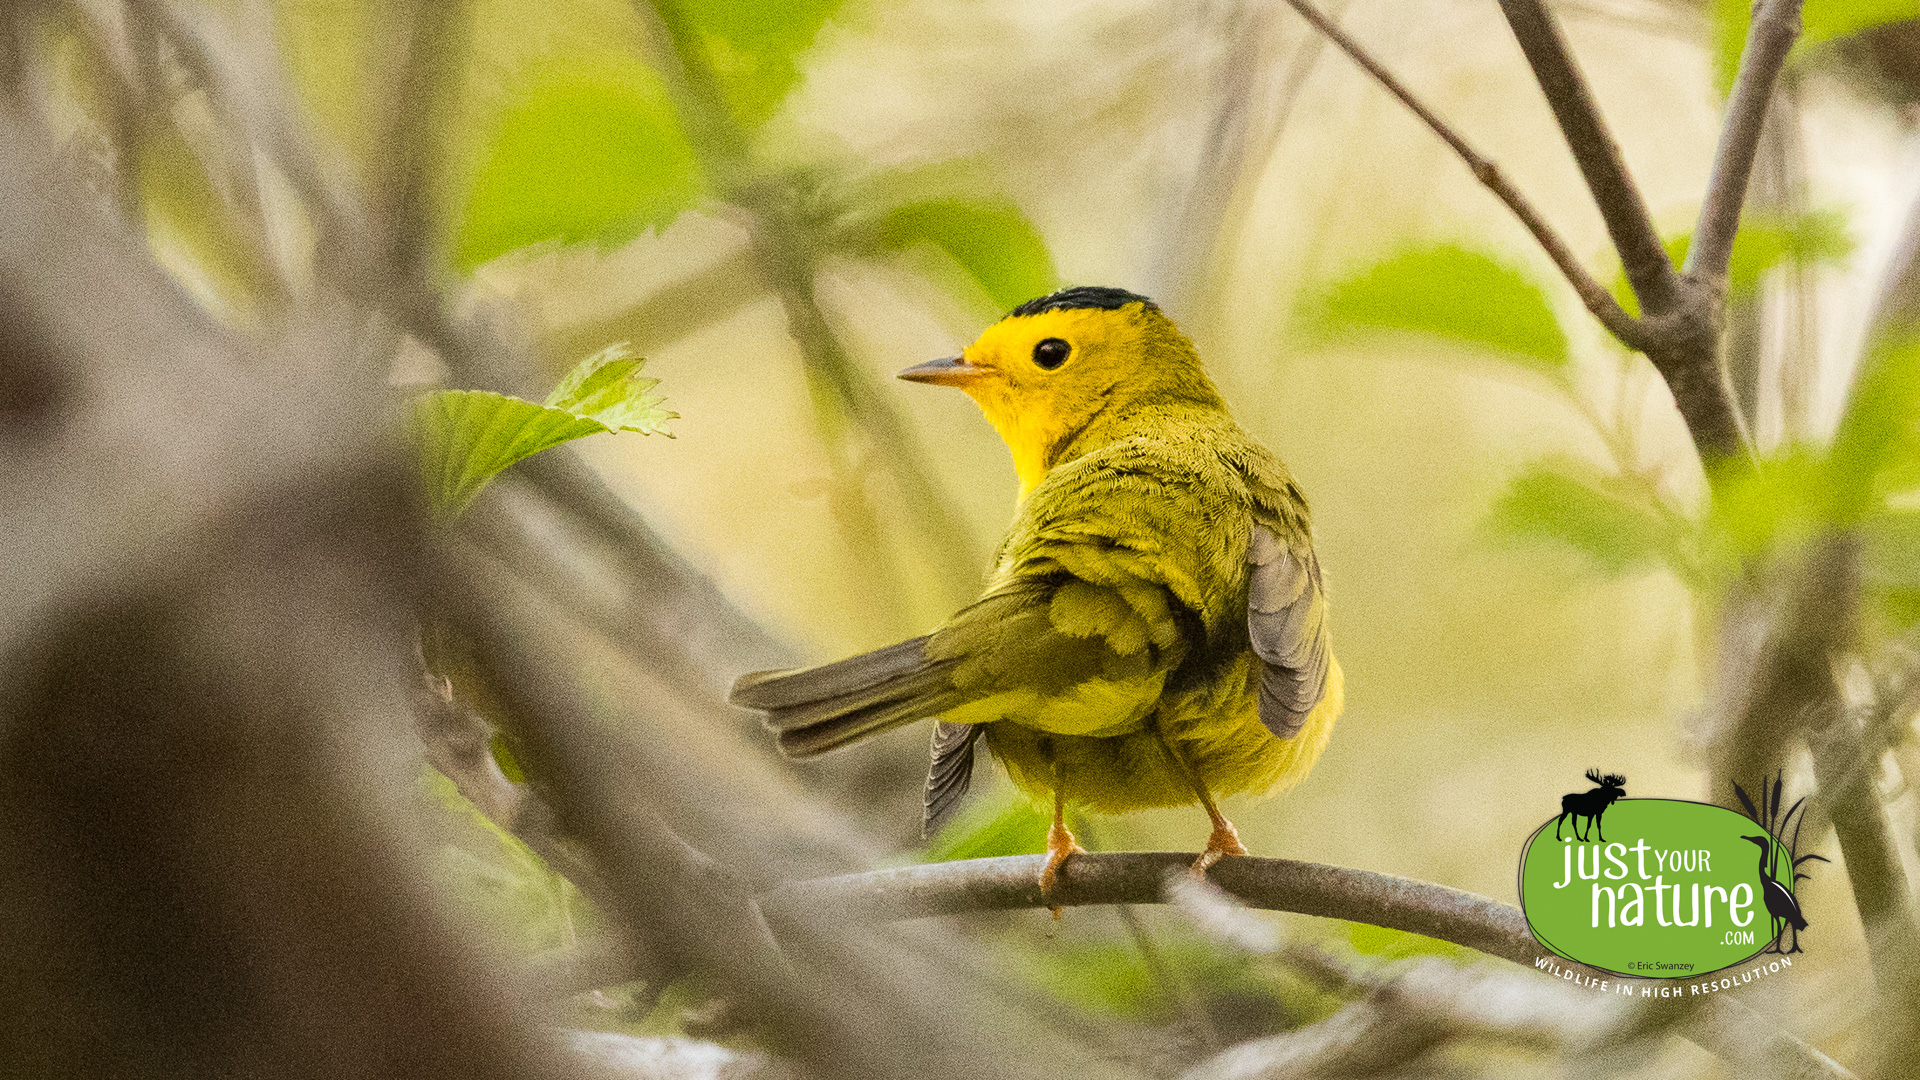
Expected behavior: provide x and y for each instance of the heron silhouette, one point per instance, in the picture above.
(1781, 905)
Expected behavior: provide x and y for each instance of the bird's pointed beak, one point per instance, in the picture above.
(950, 371)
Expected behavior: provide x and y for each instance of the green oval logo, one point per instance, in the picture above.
(1652, 888)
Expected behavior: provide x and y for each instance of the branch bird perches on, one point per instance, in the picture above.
(1719, 1023)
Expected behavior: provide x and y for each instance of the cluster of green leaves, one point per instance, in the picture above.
(466, 437)
(1621, 520)
(594, 149)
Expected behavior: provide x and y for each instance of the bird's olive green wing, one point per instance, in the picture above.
(1287, 620)
(1099, 598)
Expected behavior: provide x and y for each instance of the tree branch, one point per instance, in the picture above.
(1597, 299)
(1718, 1023)
(1614, 192)
(1012, 882)
(1776, 24)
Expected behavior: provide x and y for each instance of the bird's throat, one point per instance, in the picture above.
(1032, 446)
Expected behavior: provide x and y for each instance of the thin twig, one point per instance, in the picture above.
(1614, 192)
(846, 397)
(1776, 24)
(1597, 299)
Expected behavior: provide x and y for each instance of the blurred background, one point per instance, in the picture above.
(781, 205)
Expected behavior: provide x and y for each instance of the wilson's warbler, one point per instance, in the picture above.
(1154, 631)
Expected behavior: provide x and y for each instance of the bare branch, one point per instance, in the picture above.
(1718, 1022)
(1136, 878)
(1420, 1005)
(1592, 294)
(1776, 24)
(1614, 192)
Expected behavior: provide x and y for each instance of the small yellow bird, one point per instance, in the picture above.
(1154, 631)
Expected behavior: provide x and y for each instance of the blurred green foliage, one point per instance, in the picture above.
(1623, 520)
(467, 436)
(1619, 521)
(1821, 21)
(988, 827)
(1450, 292)
(994, 243)
(527, 906)
(753, 46)
(590, 151)
(1383, 944)
(1765, 241)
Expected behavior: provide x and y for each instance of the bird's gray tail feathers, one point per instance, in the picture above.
(822, 708)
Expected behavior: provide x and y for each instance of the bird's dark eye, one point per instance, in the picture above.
(1051, 353)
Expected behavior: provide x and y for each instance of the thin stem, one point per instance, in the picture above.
(1614, 192)
(1776, 25)
(1597, 299)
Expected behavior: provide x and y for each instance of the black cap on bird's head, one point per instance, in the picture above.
(1079, 297)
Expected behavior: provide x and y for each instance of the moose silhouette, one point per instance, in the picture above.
(1590, 804)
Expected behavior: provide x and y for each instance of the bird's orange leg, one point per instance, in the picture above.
(1225, 839)
(1060, 842)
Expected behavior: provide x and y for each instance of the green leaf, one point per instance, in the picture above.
(1379, 941)
(591, 151)
(1877, 445)
(1781, 500)
(1763, 242)
(754, 46)
(994, 243)
(607, 387)
(1821, 21)
(466, 437)
(1010, 826)
(1451, 292)
(1617, 521)
(493, 874)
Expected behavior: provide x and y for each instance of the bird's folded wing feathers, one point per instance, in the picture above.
(1286, 618)
(950, 772)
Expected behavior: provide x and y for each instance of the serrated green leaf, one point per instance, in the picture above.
(762, 27)
(993, 242)
(1617, 521)
(466, 437)
(1454, 293)
(1010, 826)
(495, 875)
(591, 151)
(608, 387)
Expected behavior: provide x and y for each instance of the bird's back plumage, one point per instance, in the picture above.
(1156, 595)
